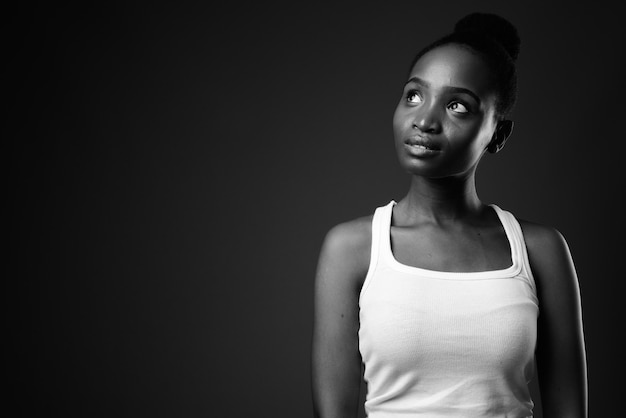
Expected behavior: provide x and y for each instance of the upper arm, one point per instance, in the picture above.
(561, 362)
(336, 360)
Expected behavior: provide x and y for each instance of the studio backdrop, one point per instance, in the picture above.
(174, 169)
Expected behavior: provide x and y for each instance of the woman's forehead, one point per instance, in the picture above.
(454, 65)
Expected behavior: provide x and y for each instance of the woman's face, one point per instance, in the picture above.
(446, 116)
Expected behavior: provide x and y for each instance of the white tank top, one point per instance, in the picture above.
(447, 344)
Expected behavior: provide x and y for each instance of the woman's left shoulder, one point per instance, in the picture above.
(540, 237)
(549, 255)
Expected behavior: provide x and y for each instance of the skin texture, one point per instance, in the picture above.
(441, 224)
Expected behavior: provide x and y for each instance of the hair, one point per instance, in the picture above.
(497, 41)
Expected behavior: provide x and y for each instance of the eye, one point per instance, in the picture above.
(458, 107)
(413, 97)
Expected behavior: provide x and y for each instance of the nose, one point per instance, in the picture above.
(427, 119)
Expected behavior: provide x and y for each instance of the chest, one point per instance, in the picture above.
(457, 325)
(454, 250)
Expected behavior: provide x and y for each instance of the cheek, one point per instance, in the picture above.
(484, 135)
(399, 121)
(468, 133)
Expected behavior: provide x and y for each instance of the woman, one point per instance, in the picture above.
(447, 301)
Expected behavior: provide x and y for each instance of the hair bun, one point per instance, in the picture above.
(494, 27)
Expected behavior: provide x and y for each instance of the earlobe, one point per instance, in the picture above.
(502, 133)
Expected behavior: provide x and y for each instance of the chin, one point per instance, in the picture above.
(427, 169)
(419, 168)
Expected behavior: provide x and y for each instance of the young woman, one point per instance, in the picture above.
(448, 302)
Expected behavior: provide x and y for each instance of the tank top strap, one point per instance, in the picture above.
(521, 252)
(380, 230)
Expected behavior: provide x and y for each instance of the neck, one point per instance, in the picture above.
(440, 200)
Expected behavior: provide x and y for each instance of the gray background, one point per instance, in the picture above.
(173, 170)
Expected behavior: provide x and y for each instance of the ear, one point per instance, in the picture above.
(501, 134)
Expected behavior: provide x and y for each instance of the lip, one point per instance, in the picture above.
(421, 147)
(420, 141)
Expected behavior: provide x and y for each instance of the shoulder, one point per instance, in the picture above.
(550, 258)
(345, 251)
(538, 236)
(349, 240)
(542, 241)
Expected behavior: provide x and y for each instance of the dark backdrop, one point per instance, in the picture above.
(173, 170)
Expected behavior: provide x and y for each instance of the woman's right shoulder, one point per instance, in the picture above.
(350, 236)
(347, 246)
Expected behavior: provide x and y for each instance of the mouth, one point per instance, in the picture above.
(420, 143)
(419, 147)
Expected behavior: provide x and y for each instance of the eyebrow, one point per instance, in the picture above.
(424, 83)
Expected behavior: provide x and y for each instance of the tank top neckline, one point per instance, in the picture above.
(513, 270)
